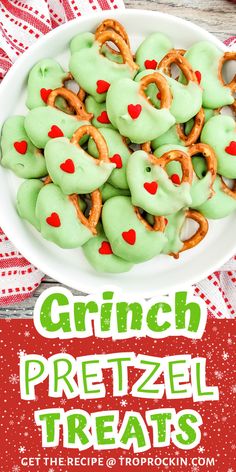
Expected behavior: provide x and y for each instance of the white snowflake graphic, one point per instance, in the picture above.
(123, 403)
(209, 355)
(233, 389)
(15, 468)
(22, 449)
(230, 341)
(21, 353)
(195, 468)
(51, 470)
(27, 334)
(201, 449)
(63, 350)
(218, 374)
(225, 356)
(14, 379)
(11, 423)
(63, 401)
(230, 470)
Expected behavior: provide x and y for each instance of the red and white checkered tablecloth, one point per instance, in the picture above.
(22, 23)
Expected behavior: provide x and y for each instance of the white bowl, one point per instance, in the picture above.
(160, 275)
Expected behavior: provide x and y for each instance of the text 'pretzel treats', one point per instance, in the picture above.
(195, 132)
(200, 233)
(160, 81)
(72, 99)
(113, 25)
(210, 158)
(124, 49)
(95, 211)
(159, 221)
(103, 153)
(227, 56)
(174, 57)
(183, 158)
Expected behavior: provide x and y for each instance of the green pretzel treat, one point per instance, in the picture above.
(99, 110)
(44, 77)
(118, 153)
(151, 187)
(18, 152)
(61, 221)
(93, 71)
(207, 61)
(186, 98)
(223, 202)
(174, 225)
(132, 114)
(152, 50)
(130, 236)
(170, 136)
(108, 191)
(220, 133)
(72, 168)
(99, 253)
(26, 200)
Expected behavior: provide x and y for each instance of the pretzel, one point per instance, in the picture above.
(81, 93)
(94, 213)
(195, 132)
(103, 153)
(230, 192)
(227, 56)
(73, 101)
(115, 26)
(198, 236)
(210, 158)
(146, 147)
(183, 158)
(174, 57)
(159, 221)
(124, 49)
(162, 85)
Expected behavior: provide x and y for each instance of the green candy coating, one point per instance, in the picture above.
(204, 57)
(104, 262)
(88, 66)
(170, 136)
(120, 221)
(70, 232)
(30, 162)
(168, 198)
(219, 132)
(220, 204)
(154, 47)
(97, 109)
(186, 99)
(86, 176)
(46, 74)
(116, 146)
(26, 199)
(39, 121)
(173, 232)
(150, 123)
(108, 191)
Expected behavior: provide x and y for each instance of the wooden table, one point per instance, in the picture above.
(216, 16)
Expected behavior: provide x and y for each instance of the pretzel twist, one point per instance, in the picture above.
(195, 132)
(183, 158)
(200, 233)
(95, 211)
(113, 25)
(103, 153)
(162, 85)
(159, 221)
(124, 49)
(177, 58)
(227, 56)
(72, 99)
(231, 192)
(210, 158)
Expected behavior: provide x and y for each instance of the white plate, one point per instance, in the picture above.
(160, 275)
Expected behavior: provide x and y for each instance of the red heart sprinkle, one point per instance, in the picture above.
(159, 95)
(55, 132)
(151, 187)
(166, 221)
(68, 166)
(45, 94)
(198, 75)
(150, 64)
(105, 248)
(103, 118)
(134, 111)
(231, 148)
(129, 236)
(21, 146)
(54, 220)
(116, 159)
(102, 86)
(175, 179)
